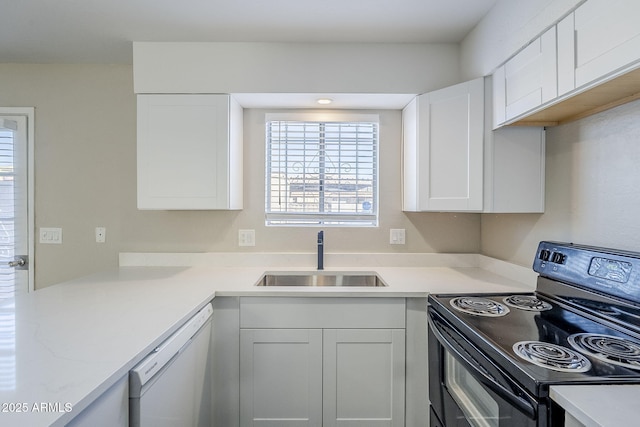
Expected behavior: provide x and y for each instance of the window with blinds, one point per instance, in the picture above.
(322, 173)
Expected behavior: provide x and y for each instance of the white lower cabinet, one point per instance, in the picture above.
(363, 377)
(281, 377)
(315, 377)
(322, 377)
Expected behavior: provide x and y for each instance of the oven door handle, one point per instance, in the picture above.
(524, 403)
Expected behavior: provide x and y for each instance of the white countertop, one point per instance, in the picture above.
(76, 339)
(600, 405)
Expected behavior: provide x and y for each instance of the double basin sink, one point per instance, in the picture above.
(321, 278)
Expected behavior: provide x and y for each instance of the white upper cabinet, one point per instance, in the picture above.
(607, 37)
(527, 80)
(515, 170)
(596, 67)
(452, 161)
(514, 166)
(189, 152)
(443, 149)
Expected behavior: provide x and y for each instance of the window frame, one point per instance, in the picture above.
(315, 219)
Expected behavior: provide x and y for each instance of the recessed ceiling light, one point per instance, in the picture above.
(325, 101)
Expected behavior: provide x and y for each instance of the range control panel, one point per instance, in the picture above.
(611, 271)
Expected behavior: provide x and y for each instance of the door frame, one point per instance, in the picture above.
(29, 113)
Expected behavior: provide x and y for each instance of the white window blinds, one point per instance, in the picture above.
(322, 173)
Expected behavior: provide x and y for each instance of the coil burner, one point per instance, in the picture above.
(615, 350)
(479, 306)
(527, 302)
(551, 356)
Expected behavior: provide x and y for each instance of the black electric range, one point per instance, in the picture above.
(493, 357)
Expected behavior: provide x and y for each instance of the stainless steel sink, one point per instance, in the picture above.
(319, 278)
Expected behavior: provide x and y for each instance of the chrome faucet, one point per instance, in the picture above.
(321, 250)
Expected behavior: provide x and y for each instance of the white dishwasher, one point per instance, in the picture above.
(171, 387)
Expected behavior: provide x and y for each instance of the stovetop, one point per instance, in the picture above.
(498, 337)
(586, 303)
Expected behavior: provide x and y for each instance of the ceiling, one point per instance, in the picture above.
(101, 31)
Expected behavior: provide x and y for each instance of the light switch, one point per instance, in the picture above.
(246, 237)
(50, 235)
(397, 236)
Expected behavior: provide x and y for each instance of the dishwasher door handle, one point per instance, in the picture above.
(161, 355)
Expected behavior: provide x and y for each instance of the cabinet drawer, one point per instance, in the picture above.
(291, 312)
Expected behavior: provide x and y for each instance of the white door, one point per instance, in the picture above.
(16, 246)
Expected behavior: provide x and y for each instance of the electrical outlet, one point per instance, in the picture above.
(101, 234)
(397, 236)
(246, 237)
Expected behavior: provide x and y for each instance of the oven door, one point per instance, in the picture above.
(467, 389)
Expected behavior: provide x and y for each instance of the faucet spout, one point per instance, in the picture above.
(321, 250)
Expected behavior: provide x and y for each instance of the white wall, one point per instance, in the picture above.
(84, 159)
(294, 67)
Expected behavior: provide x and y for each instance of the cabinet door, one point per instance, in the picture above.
(514, 165)
(281, 377)
(363, 377)
(529, 79)
(515, 170)
(185, 153)
(442, 153)
(607, 37)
